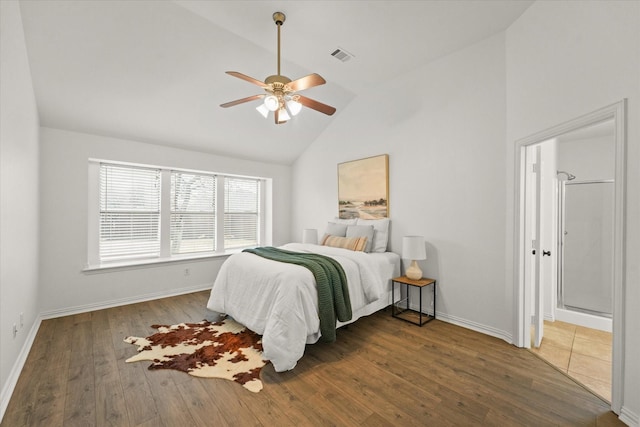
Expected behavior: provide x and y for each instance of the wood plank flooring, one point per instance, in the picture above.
(380, 372)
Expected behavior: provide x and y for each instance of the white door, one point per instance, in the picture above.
(533, 185)
(538, 314)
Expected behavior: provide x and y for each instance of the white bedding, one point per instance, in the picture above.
(279, 300)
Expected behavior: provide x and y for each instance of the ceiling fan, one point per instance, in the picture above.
(281, 95)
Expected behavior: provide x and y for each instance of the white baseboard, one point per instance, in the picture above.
(585, 319)
(629, 418)
(52, 314)
(483, 329)
(14, 374)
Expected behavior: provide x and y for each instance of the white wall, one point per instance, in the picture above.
(566, 59)
(589, 158)
(443, 127)
(63, 243)
(18, 196)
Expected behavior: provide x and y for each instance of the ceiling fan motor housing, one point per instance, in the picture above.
(277, 79)
(278, 87)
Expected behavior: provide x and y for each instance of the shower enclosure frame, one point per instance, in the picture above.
(561, 233)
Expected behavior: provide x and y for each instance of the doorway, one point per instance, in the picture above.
(530, 295)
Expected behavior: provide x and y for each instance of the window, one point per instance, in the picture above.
(149, 214)
(241, 213)
(129, 212)
(193, 213)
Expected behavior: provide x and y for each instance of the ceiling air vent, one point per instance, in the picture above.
(342, 55)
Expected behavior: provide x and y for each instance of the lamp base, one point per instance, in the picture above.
(414, 272)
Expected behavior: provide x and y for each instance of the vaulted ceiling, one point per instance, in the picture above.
(154, 71)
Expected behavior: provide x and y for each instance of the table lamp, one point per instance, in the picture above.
(413, 249)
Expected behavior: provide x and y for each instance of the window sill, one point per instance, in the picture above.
(144, 263)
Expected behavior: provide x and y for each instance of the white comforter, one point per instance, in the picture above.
(279, 300)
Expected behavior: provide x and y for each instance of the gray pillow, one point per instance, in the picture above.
(362, 231)
(381, 236)
(334, 229)
(348, 221)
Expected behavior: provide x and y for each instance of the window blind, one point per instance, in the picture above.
(129, 212)
(193, 208)
(146, 214)
(242, 211)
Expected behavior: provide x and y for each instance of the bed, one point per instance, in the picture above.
(279, 301)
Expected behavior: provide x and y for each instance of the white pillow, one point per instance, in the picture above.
(334, 229)
(362, 231)
(381, 235)
(349, 221)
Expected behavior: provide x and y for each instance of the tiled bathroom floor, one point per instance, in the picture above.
(582, 353)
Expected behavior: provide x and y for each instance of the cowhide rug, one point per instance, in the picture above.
(224, 349)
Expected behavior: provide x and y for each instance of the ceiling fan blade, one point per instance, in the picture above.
(315, 105)
(306, 82)
(241, 101)
(247, 78)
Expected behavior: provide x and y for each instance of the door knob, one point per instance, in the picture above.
(547, 253)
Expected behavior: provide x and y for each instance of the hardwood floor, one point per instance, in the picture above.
(380, 372)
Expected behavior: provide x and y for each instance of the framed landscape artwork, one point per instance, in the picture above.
(363, 188)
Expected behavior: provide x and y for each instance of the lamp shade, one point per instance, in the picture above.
(310, 235)
(271, 102)
(413, 248)
(294, 107)
(284, 116)
(263, 110)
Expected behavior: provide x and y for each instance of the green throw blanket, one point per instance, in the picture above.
(331, 283)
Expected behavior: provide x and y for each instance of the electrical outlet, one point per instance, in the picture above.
(15, 330)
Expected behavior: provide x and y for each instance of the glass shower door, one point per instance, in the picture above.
(587, 247)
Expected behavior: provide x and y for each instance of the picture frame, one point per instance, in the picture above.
(363, 188)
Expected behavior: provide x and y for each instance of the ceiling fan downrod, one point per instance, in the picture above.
(279, 18)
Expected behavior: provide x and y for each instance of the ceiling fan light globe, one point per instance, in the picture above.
(262, 110)
(271, 103)
(284, 116)
(294, 107)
